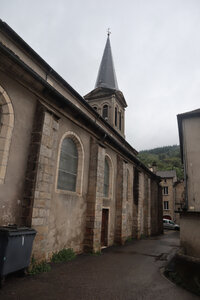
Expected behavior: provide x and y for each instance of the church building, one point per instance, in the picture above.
(65, 167)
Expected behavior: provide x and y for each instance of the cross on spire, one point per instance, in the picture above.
(108, 32)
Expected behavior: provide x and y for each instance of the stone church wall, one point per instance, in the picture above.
(36, 118)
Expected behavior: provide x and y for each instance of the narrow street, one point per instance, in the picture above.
(133, 271)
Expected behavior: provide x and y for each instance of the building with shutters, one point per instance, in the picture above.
(65, 166)
(173, 195)
(168, 180)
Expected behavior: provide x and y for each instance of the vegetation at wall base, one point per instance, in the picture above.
(97, 253)
(129, 239)
(38, 267)
(143, 237)
(63, 255)
(166, 158)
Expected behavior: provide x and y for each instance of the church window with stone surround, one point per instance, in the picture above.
(128, 186)
(6, 129)
(106, 178)
(105, 112)
(115, 116)
(68, 165)
(120, 120)
(95, 107)
(136, 186)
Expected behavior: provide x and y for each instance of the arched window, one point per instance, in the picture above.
(95, 107)
(120, 120)
(6, 129)
(68, 166)
(0, 116)
(136, 186)
(128, 186)
(105, 111)
(115, 116)
(106, 178)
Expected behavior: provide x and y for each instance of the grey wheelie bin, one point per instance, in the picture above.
(15, 249)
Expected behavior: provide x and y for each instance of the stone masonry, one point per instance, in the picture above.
(95, 197)
(39, 180)
(120, 221)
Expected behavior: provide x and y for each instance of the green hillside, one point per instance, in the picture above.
(166, 158)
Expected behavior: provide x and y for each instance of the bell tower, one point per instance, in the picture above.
(106, 98)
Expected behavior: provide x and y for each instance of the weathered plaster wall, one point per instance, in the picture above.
(191, 129)
(179, 199)
(190, 234)
(11, 194)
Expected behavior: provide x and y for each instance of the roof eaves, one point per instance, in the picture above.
(8, 30)
(63, 99)
(107, 137)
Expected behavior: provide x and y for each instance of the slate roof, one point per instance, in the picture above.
(106, 75)
(166, 174)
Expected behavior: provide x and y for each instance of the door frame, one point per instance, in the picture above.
(108, 226)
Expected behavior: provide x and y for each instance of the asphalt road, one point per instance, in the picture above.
(133, 271)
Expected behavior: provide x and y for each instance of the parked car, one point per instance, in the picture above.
(168, 224)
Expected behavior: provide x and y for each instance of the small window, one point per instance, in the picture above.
(106, 178)
(105, 112)
(115, 116)
(95, 107)
(120, 121)
(166, 204)
(165, 190)
(68, 166)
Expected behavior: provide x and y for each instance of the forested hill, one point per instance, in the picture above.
(166, 158)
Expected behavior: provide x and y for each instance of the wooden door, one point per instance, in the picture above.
(104, 227)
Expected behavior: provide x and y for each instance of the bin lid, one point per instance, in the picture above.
(14, 230)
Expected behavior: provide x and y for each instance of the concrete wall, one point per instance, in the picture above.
(191, 148)
(190, 234)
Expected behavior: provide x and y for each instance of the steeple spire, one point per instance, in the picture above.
(106, 75)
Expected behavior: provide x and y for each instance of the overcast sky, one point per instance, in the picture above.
(155, 46)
